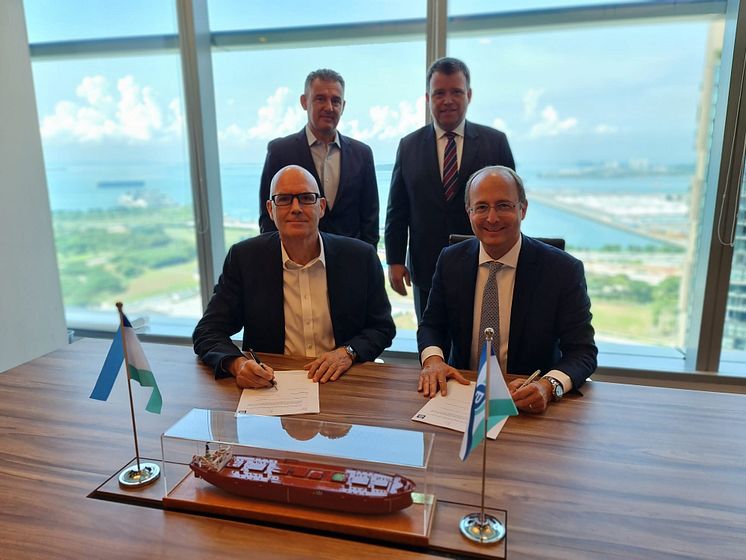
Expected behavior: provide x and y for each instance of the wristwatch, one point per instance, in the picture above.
(351, 353)
(558, 391)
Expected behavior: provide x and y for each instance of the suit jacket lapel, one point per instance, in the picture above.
(466, 269)
(274, 322)
(526, 279)
(469, 153)
(334, 284)
(344, 166)
(429, 153)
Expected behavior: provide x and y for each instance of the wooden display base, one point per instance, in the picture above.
(150, 495)
(406, 526)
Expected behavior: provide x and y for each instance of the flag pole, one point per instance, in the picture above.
(488, 334)
(134, 475)
(484, 528)
(129, 386)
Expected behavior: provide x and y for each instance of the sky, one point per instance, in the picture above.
(592, 94)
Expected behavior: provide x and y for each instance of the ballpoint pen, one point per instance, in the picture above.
(530, 378)
(261, 365)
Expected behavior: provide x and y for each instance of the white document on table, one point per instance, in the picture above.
(295, 394)
(452, 411)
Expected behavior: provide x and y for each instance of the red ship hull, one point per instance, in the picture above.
(309, 484)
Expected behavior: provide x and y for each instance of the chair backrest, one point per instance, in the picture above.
(553, 241)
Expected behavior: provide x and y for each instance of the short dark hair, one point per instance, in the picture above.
(448, 65)
(499, 169)
(325, 75)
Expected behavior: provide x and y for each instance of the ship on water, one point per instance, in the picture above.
(121, 184)
(304, 483)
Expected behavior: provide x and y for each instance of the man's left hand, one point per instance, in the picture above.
(534, 398)
(329, 366)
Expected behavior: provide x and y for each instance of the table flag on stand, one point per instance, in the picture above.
(500, 403)
(126, 348)
(137, 366)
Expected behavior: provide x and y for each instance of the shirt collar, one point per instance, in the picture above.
(459, 130)
(508, 259)
(289, 264)
(313, 140)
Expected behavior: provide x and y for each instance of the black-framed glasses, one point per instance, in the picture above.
(306, 198)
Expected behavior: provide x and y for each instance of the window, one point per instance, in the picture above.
(114, 146)
(615, 112)
(261, 102)
(610, 128)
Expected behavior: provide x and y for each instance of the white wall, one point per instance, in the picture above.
(32, 320)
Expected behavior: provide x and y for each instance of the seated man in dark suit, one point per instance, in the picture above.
(543, 318)
(296, 291)
(343, 167)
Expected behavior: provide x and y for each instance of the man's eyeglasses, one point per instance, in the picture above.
(500, 208)
(306, 198)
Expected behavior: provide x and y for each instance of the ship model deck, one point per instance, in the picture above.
(304, 483)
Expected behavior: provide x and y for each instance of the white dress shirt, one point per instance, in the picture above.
(328, 159)
(308, 323)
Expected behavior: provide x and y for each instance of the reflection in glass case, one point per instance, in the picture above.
(220, 457)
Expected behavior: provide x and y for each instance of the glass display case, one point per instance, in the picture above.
(356, 479)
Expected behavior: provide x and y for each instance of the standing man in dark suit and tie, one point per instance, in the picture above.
(343, 167)
(296, 291)
(532, 295)
(427, 185)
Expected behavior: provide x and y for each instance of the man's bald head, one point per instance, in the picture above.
(296, 175)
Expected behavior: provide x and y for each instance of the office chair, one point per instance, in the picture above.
(553, 241)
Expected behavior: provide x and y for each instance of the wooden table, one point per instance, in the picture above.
(624, 472)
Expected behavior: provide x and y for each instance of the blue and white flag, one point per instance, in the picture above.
(501, 403)
(137, 365)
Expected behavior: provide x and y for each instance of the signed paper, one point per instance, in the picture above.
(452, 411)
(295, 394)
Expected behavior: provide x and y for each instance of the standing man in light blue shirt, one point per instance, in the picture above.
(342, 167)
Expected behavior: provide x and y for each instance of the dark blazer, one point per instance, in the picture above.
(355, 212)
(416, 205)
(249, 295)
(550, 319)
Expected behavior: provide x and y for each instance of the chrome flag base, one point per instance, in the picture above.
(131, 477)
(488, 531)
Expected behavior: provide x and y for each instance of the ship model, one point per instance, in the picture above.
(304, 483)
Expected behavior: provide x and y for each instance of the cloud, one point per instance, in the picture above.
(604, 128)
(388, 122)
(137, 111)
(279, 116)
(501, 125)
(131, 113)
(530, 101)
(551, 124)
(276, 118)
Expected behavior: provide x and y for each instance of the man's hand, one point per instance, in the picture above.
(329, 366)
(250, 375)
(534, 398)
(434, 377)
(398, 276)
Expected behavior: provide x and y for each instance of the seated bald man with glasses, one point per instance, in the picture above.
(296, 291)
(532, 295)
